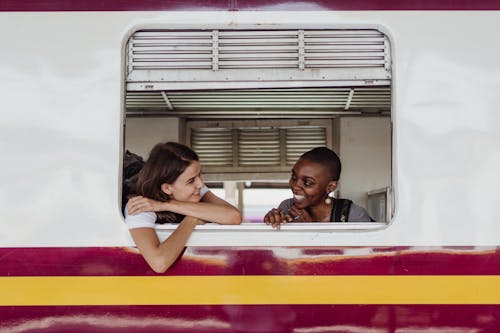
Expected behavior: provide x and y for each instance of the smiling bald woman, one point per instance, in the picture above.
(313, 181)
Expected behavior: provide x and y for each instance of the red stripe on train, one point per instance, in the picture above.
(253, 318)
(235, 5)
(94, 261)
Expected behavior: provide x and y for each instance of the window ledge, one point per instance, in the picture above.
(293, 227)
(252, 234)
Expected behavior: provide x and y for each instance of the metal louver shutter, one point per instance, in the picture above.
(187, 59)
(269, 102)
(259, 147)
(300, 140)
(214, 146)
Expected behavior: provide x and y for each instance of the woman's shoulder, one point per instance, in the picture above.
(358, 214)
(204, 190)
(286, 205)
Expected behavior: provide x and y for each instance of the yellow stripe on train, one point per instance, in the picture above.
(185, 290)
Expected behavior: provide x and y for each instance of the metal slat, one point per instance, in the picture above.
(264, 92)
(264, 41)
(170, 42)
(170, 33)
(253, 33)
(264, 96)
(272, 108)
(370, 100)
(275, 98)
(257, 56)
(341, 32)
(344, 48)
(157, 57)
(346, 55)
(344, 41)
(266, 104)
(173, 65)
(229, 48)
(258, 63)
(202, 141)
(169, 49)
(344, 62)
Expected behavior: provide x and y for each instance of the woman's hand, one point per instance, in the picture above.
(141, 204)
(300, 215)
(276, 217)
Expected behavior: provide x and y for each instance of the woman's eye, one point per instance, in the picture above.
(293, 177)
(308, 183)
(190, 181)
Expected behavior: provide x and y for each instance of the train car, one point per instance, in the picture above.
(406, 92)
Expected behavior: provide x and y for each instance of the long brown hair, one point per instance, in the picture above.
(166, 162)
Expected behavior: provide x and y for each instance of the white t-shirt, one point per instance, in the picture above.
(148, 219)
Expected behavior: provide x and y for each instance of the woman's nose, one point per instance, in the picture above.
(199, 182)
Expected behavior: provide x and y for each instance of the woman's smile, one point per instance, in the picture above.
(298, 197)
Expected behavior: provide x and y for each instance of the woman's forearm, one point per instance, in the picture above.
(211, 208)
(172, 247)
(160, 256)
(222, 213)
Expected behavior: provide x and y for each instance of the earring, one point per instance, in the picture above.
(329, 198)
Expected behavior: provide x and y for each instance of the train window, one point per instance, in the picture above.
(251, 101)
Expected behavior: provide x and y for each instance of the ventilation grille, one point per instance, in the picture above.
(257, 49)
(262, 102)
(264, 149)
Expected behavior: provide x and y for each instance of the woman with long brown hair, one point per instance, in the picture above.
(171, 189)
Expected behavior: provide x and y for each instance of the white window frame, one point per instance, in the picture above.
(260, 234)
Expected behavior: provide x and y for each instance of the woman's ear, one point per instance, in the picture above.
(332, 185)
(166, 188)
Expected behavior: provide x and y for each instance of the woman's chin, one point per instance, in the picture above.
(301, 204)
(195, 198)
